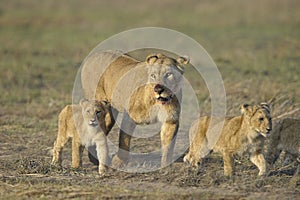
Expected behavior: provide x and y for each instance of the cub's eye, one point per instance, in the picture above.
(88, 111)
(153, 76)
(261, 119)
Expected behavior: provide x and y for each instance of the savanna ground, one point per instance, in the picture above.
(255, 44)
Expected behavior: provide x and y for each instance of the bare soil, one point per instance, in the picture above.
(25, 172)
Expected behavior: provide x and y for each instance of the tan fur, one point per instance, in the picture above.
(240, 135)
(87, 124)
(285, 137)
(147, 91)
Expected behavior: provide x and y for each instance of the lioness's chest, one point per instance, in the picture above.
(151, 115)
(158, 113)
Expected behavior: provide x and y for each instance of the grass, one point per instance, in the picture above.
(255, 44)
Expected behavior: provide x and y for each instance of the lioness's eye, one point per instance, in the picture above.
(169, 74)
(153, 76)
(98, 112)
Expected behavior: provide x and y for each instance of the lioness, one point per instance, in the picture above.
(285, 137)
(87, 124)
(146, 92)
(241, 134)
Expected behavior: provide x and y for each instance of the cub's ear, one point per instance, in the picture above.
(83, 102)
(183, 60)
(265, 106)
(151, 58)
(245, 108)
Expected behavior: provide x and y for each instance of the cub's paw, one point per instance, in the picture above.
(186, 159)
(55, 163)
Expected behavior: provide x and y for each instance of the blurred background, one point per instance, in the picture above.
(256, 45)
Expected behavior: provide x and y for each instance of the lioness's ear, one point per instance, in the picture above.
(183, 60)
(83, 101)
(151, 58)
(244, 108)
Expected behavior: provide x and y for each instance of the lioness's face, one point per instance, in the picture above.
(92, 112)
(260, 118)
(166, 81)
(166, 76)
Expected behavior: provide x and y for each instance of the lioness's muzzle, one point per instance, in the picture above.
(159, 89)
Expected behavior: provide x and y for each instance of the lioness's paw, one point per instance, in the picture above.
(117, 162)
(102, 170)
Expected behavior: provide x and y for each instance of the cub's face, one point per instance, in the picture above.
(260, 118)
(262, 122)
(165, 75)
(93, 112)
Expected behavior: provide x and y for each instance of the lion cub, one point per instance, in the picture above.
(87, 124)
(285, 137)
(240, 135)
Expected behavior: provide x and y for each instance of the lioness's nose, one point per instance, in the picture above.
(159, 89)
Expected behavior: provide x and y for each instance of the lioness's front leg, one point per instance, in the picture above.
(168, 134)
(127, 128)
(259, 160)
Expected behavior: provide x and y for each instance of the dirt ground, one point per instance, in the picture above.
(25, 172)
